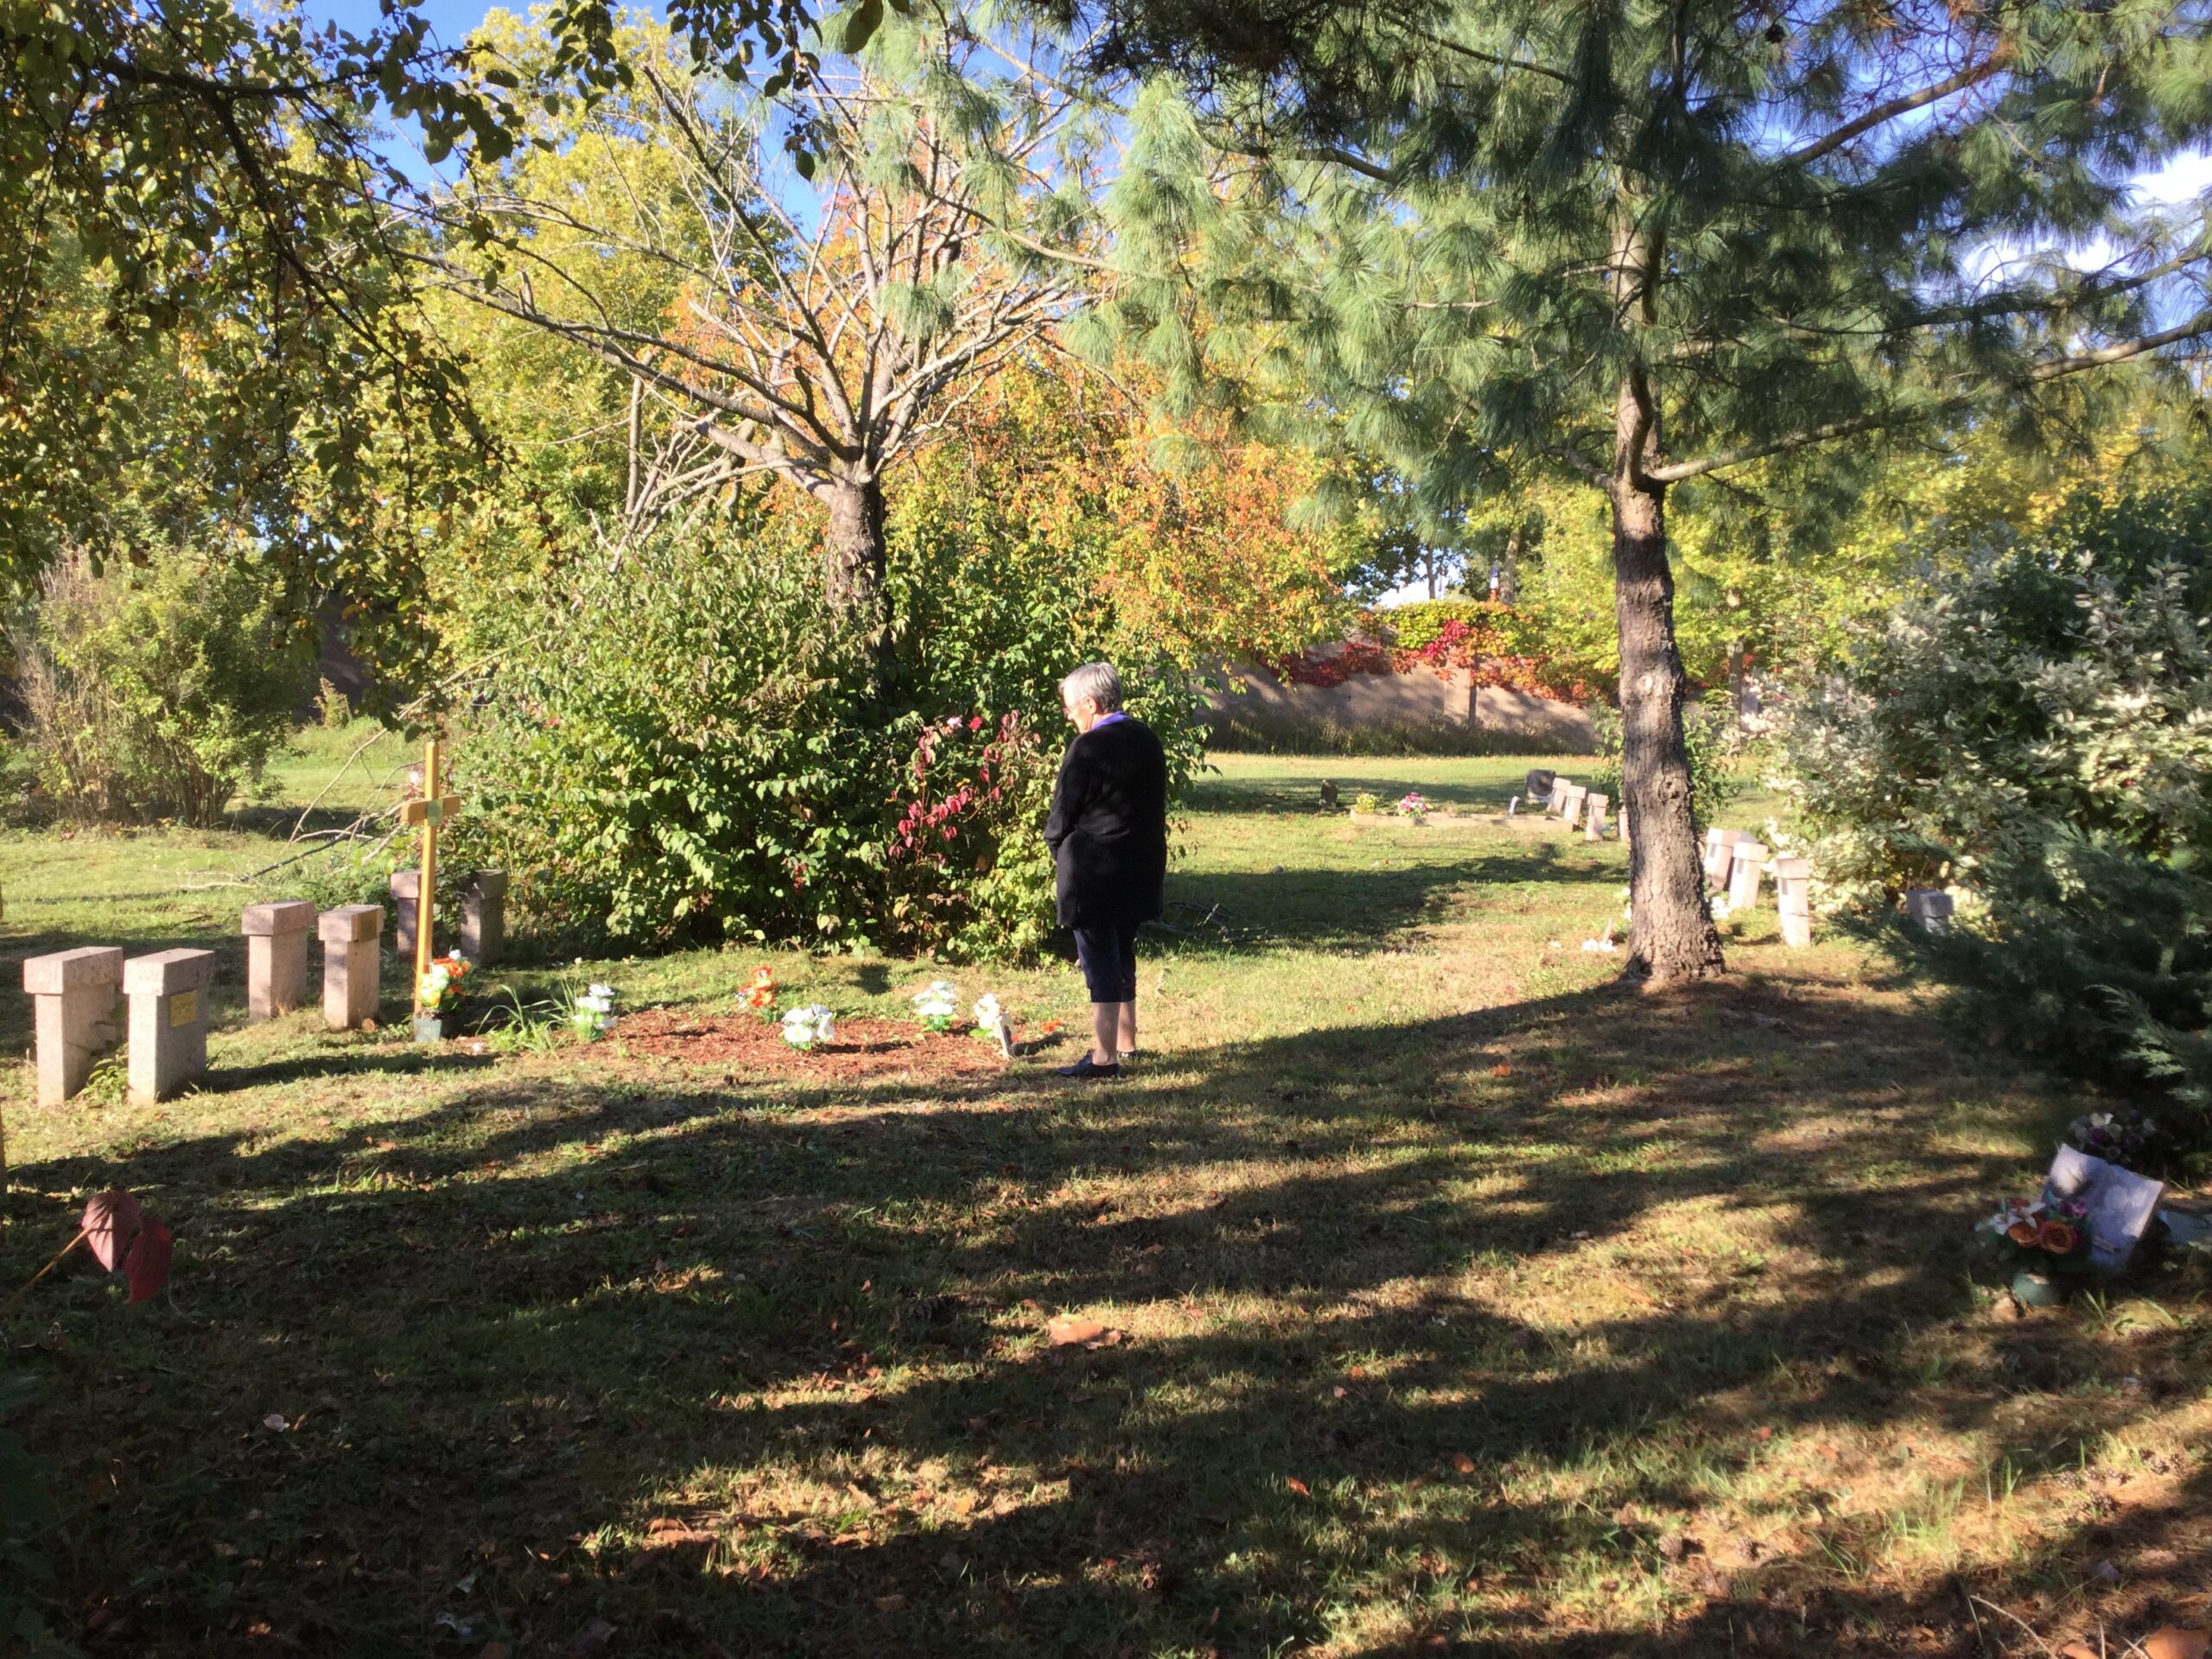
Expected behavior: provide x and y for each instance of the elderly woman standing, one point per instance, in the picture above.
(1108, 835)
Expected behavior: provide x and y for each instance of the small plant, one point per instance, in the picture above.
(760, 992)
(2040, 1233)
(938, 1003)
(1414, 805)
(533, 1028)
(1365, 803)
(122, 1239)
(438, 987)
(334, 708)
(810, 1026)
(591, 1012)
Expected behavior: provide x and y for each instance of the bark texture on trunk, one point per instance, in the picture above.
(853, 551)
(1670, 931)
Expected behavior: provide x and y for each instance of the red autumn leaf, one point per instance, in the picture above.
(147, 1267)
(1298, 1486)
(110, 1222)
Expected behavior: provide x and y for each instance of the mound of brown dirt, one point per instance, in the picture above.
(864, 1048)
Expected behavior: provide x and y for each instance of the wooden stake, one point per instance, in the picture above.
(426, 899)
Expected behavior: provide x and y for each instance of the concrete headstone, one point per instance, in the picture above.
(406, 895)
(72, 1014)
(1931, 908)
(1793, 897)
(352, 961)
(484, 917)
(1746, 868)
(1593, 818)
(168, 994)
(277, 955)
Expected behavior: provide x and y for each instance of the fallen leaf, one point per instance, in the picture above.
(1501, 1069)
(1298, 1486)
(1463, 1463)
(1765, 1432)
(1067, 1330)
(146, 1268)
(2172, 1642)
(110, 1222)
(595, 1638)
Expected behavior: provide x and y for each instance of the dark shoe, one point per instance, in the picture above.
(1086, 1067)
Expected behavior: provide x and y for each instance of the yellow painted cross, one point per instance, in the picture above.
(430, 811)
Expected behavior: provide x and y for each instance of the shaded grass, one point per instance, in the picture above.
(1472, 1303)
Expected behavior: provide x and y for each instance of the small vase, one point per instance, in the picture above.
(2032, 1287)
(429, 1028)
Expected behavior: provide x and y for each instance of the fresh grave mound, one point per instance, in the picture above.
(864, 1048)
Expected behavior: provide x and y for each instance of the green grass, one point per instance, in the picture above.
(1471, 1302)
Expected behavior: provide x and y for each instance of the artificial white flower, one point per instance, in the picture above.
(987, 1013)
(804, 1027)
(938, 1003)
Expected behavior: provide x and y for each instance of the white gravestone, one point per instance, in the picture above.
(277, 955)
(1930, 907)
(2120, 1202)
(1593, 818)
(168, 992)
(73, 1012)
(1793, 897)
(1746, 867)
(353, 959)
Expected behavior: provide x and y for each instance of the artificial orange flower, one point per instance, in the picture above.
(1050, 1027)
(2022, 1233)
(759, 996)
(2058, 1238)
(763, 977)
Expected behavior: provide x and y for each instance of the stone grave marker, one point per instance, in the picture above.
(73, 1012)
(406, 894)
(1793, 897)
(484, 917)
(1593, 818)
(353, 959)
(277, 955)
(2120, 1202)
(168, 992)
(1556, 803)
(1930, 907)
(1747, 866)
(1537, 786)
(1571, 799)
(1720, 855)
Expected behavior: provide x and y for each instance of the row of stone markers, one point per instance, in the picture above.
(1735, 865)
(1564, 799)
(74, 992)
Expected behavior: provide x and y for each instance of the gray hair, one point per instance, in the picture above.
(1096, 680)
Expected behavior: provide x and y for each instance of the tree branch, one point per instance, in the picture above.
(1904, 104)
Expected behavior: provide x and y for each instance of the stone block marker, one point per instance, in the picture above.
(1570, 802)
(73, 1011)
(168, 991)
(277, 955)
(484, 917)
(1557, 801)
(1793, 897)
(1537, 786)
(1720, 855)
(1593, 818)
(1931, 907)
(1746, 868)
(353, 959)
(406, 892)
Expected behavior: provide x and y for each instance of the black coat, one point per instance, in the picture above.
(1108, 827)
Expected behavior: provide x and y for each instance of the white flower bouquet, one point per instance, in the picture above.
(804, 1028)
(938, 1004)
(592, 1012)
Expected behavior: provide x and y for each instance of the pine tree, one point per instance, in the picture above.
(1642, 244)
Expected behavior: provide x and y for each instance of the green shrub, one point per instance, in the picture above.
(2035, 732)
(684, 746)
(1494, 629)
(156, 693)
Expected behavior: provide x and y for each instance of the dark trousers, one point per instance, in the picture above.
(1107, 956)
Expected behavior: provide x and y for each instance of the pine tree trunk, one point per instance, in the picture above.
(1508, 569)
(853, 554)
(1670, 931)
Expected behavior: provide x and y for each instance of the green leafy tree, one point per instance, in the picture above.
(1643, 246)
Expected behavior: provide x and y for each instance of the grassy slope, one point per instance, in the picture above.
(1471, 1302)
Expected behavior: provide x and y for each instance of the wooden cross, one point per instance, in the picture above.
(430, 811)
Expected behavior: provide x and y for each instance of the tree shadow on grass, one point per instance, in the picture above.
(1511, 1300)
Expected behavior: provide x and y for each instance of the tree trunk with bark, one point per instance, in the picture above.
(854, 553)
(1670, 931)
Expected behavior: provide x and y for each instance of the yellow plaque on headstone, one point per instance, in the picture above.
(184, 1008)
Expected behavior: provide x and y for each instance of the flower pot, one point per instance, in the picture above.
(2034, 1288)
(429, 1028)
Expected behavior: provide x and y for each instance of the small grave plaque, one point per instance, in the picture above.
(2120, 1202)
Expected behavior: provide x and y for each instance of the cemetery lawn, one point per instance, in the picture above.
(1454, 1299)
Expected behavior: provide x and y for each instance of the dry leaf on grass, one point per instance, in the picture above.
(2172, 1642)
(1069, 1330)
